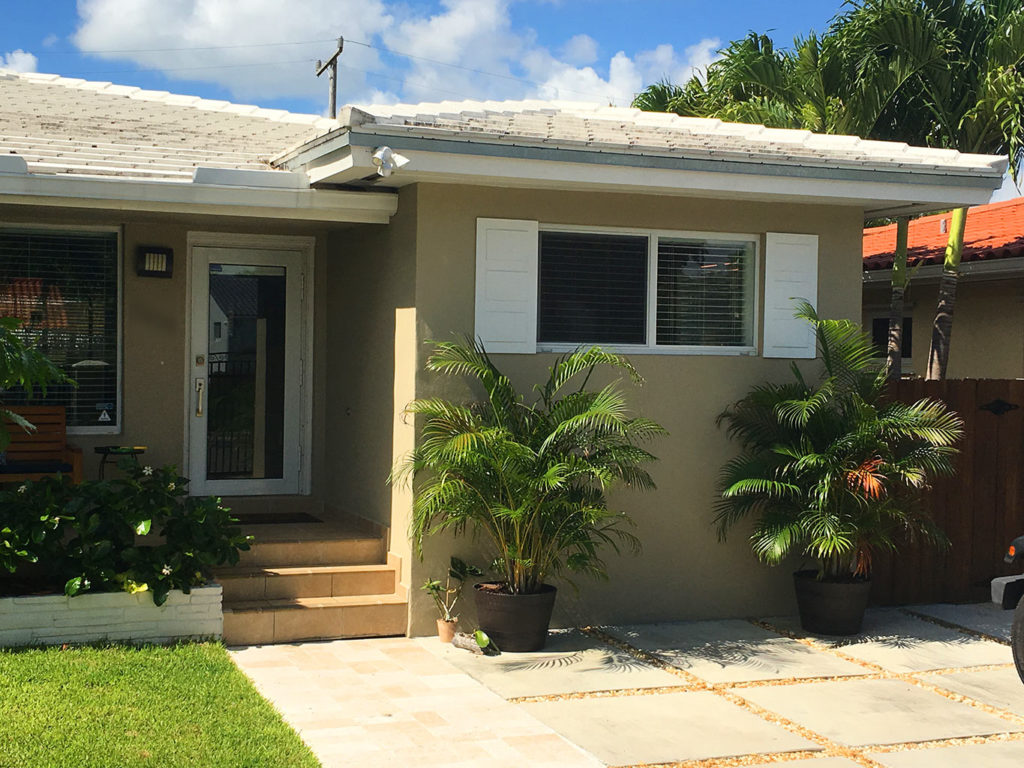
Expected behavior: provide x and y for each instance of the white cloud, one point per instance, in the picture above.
(19, 61)
(580, 50)
(463, 49)
(50, 40)
(142, 31)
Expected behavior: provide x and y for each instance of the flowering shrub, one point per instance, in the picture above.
(89, 536)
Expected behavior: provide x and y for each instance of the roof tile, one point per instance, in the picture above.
(993, 231)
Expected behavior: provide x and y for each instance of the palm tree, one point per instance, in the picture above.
(530, 478)
(842, 82)
(973, 94)
(830, 469)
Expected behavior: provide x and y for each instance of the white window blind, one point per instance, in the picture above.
(63, 287)
(506, 285)
(791, 275)
(704, 292)
(593, 288)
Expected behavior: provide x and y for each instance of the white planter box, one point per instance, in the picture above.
(108, 616)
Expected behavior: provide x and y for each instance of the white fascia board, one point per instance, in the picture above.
(176, 197)
(995, 269)
(875, 196)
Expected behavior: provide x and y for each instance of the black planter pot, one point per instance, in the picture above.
(516, 623)
(830, 607)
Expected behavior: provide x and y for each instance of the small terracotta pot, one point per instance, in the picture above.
(446, 630)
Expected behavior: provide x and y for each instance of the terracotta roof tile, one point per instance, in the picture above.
(993, 231)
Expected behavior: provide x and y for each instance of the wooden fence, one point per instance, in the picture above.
(981, 508)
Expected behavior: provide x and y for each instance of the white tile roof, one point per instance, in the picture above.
(63, 125)
(578, 125)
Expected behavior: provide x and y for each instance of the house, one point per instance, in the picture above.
(249, 293)
(988, 326)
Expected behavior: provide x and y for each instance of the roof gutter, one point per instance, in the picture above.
(223, 192)
(717, 164)
(932, 273)
(345, 157)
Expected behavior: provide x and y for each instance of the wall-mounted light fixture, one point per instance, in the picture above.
(154, 262)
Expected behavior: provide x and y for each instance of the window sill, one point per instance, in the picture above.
(87, 431)
(626, 349)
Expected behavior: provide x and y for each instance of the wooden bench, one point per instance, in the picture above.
(43, 452)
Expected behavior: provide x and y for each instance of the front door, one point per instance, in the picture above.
(246, 382)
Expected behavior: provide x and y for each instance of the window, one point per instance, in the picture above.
(880, 336)
(63, 286)
(597, 288)
(593, 289)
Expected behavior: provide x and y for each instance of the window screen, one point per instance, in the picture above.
(593, 288)
(704, 292)
(63, 287)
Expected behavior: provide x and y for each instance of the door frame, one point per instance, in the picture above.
(305, 246)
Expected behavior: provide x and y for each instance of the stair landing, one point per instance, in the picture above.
(313, 581)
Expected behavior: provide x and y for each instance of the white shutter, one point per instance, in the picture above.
(506, 285)
(791, 275)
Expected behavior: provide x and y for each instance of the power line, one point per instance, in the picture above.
(382, 48)
(188, 69)
(197, 48)
(534, 83)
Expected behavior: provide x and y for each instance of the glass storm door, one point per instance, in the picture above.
(245, 393)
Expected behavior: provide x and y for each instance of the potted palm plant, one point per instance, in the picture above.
(833, 470)
(529, 478)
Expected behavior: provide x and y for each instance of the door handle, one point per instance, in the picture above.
(200, 389)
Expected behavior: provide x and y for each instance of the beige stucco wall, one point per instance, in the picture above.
(370, 283)
(154, 323)
(988, 326)
(683, 571)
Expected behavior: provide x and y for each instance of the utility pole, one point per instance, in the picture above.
(332, 63)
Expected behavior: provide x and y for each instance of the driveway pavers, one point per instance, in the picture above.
(863, 712)
(991, 755)
(732, 651)
(996, 687)
(667, 728)
(927, 686)
(898, 642)
(985, 618)
(572, 662)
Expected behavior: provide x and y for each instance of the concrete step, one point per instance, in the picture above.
(270, 583)
(258, 622)
(358, 549)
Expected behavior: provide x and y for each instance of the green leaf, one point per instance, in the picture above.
(482, 639)
(75, 585)
(142, 529)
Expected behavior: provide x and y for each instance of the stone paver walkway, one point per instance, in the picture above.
(930, 686)
(389, 702)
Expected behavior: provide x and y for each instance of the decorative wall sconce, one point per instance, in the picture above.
(154, 262)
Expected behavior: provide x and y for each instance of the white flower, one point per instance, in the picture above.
(22, 488)
(147, 471)
(171, 486)
(166, 570)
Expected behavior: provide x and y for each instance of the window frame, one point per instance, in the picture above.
(653, 235)
(90, 229)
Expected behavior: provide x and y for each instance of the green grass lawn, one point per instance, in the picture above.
(121, 707)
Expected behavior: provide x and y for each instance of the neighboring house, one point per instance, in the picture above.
(536, 226)
(988, 320)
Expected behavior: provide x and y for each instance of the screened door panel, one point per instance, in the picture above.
(63, 288)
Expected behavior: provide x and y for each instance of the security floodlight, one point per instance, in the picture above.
(388, 161)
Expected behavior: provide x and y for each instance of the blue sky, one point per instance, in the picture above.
(589, 50)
